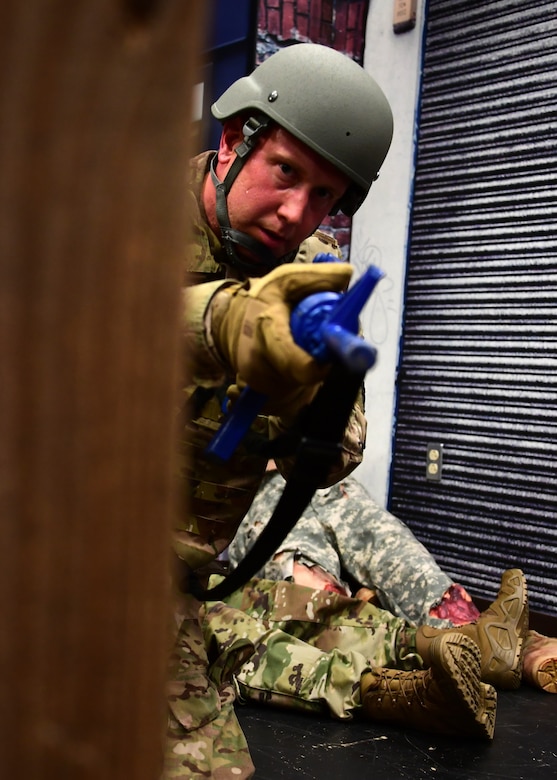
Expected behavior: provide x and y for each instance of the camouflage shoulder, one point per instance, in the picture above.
(316, 243)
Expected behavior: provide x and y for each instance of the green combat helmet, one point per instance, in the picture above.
(324, 99)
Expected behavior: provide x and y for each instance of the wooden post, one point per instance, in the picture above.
(95, 103)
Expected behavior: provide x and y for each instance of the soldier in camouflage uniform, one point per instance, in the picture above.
(303, 136)
(344, 532)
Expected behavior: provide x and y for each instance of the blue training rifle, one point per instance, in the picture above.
(326, 325)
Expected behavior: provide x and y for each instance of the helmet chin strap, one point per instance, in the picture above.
(231, 238)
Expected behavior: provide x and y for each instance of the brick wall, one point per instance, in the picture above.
(336, 23)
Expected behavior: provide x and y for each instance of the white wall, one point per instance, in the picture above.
(380, 228)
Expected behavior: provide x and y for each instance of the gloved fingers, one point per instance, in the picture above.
(251, 328)
(293, 281)
(292, 363)
(267, 353)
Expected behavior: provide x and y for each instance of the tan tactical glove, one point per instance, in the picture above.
(250, 325)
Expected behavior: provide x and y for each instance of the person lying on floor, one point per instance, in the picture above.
(345, 532)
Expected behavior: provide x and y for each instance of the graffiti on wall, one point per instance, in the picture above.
(336, 23)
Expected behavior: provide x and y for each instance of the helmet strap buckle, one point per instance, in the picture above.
(252, 129)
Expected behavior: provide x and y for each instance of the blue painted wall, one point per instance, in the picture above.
(230, 53)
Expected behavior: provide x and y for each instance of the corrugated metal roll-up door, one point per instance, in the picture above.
(478, 369)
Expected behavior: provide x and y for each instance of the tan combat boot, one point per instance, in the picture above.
(447, 698)
(499, 632)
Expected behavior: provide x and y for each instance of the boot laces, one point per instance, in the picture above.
(404, 688)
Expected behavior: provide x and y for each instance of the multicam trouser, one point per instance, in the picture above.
(204, 738)
(277, 643)
(344, 530)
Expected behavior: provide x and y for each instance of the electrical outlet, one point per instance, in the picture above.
(434, 462)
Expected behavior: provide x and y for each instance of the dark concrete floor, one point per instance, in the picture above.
(288, 745)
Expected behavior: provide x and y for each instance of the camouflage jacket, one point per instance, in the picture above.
(217, 496)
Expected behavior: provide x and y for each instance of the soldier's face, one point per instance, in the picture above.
(284, 191)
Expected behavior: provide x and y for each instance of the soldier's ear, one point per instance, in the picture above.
(232, 136)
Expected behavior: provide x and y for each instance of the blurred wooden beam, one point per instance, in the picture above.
(95, 104)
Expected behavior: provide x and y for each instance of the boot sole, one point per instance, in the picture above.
(458, 658)
(546, 676)
(487, 710)
(506, 632)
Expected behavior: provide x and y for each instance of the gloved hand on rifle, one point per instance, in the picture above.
(250, 329)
